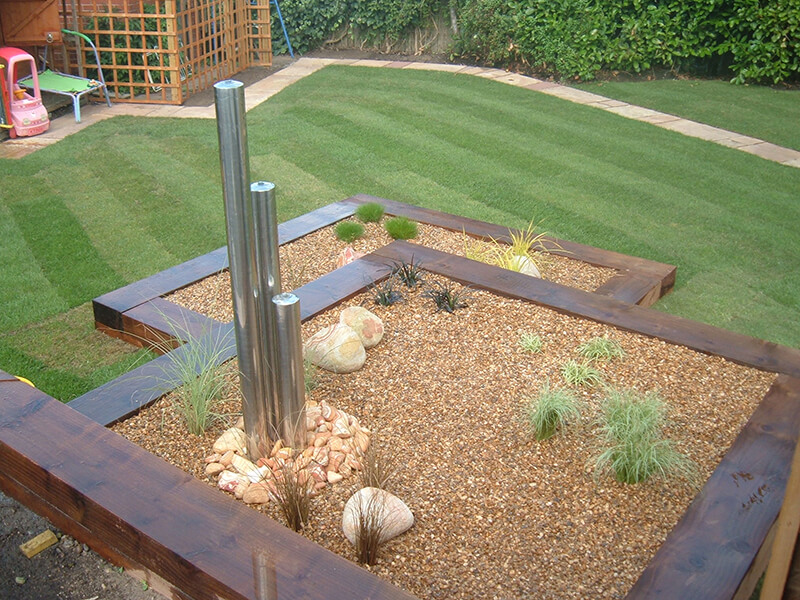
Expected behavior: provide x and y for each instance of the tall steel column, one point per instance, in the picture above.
(242, 255)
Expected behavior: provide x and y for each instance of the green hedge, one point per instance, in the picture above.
(758, 39)
(311, 22)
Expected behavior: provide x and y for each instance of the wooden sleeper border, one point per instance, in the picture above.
(190, 541)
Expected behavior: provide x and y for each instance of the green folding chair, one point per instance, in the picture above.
(70, 85)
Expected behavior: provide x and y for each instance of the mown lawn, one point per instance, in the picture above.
(131, 196)
(762, 112)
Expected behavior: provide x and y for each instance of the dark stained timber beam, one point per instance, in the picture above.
(125, 502)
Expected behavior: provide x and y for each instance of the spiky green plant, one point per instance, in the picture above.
(601, 348)
(371, 525)
(384, 292)
(446, 296)
(636, 450)
(371, 212)
(408, 273)
(310, 375)
(580, 373)
(401, 228)
(530, 342)
(550, 410)
(349, 231)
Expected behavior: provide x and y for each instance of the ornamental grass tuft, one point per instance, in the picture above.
(601, 348)
(580, 373)
(636, 450)
(349, 231)
(549, 411)
(371, 212)
(401, 228)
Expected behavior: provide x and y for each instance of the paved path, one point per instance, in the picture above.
(260, 91)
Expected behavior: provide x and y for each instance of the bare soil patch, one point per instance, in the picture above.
(498, 515)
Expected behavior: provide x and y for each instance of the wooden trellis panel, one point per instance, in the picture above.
(162, 51)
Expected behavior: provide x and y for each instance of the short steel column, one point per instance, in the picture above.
(291, 377)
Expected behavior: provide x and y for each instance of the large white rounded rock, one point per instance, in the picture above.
(367, 325)
(391, 514)
(336, 348)
(524, 265)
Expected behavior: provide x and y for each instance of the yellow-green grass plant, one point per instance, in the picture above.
(632, 429)
(549, 411)
(581, 373)
(601, 348)
(530, 342)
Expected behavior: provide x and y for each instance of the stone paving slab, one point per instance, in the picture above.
(259, 92)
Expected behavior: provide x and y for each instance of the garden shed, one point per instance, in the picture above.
(161, 51)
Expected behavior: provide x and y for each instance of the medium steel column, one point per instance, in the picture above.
(265, 221)
(239, 220)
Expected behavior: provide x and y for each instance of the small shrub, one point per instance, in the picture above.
(530, 342)
(349, 231)
(580, 373)
(408, 273)
(601, 348)
(632, 427)
(446, 296)
(372, 212)
(549, 411)
(194, 374)
(293, 494)
(401, 228)
(384, 292)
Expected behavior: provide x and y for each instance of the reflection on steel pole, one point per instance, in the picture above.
(239, 216)
(291, 383)
(265, 221)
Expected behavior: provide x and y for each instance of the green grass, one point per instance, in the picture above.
(128, 197)
(757, 111)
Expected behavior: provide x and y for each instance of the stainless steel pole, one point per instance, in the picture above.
(291, 382)
(235, 163)
(265, 221)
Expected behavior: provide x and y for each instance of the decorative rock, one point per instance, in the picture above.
(336, 348)
(340, 428)
(361, 441)
(214, 469)
(240, 489)
(320, 456)
(228, 480)
(242, 465)
(367, 325)
(240, 423)
(231, 439)
(256, 493)
(393, 516)
(227, 458)
(335, 443)
(334, 477)
(347, 256)
(524, 265)
(212, 458)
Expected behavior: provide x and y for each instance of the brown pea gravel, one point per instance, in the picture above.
(499, 515)
(314, 255)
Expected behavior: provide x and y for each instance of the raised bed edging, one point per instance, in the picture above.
(711, 553)
(129, 312)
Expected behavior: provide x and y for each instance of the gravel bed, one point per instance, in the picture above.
(499, 515)
(314, 255)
